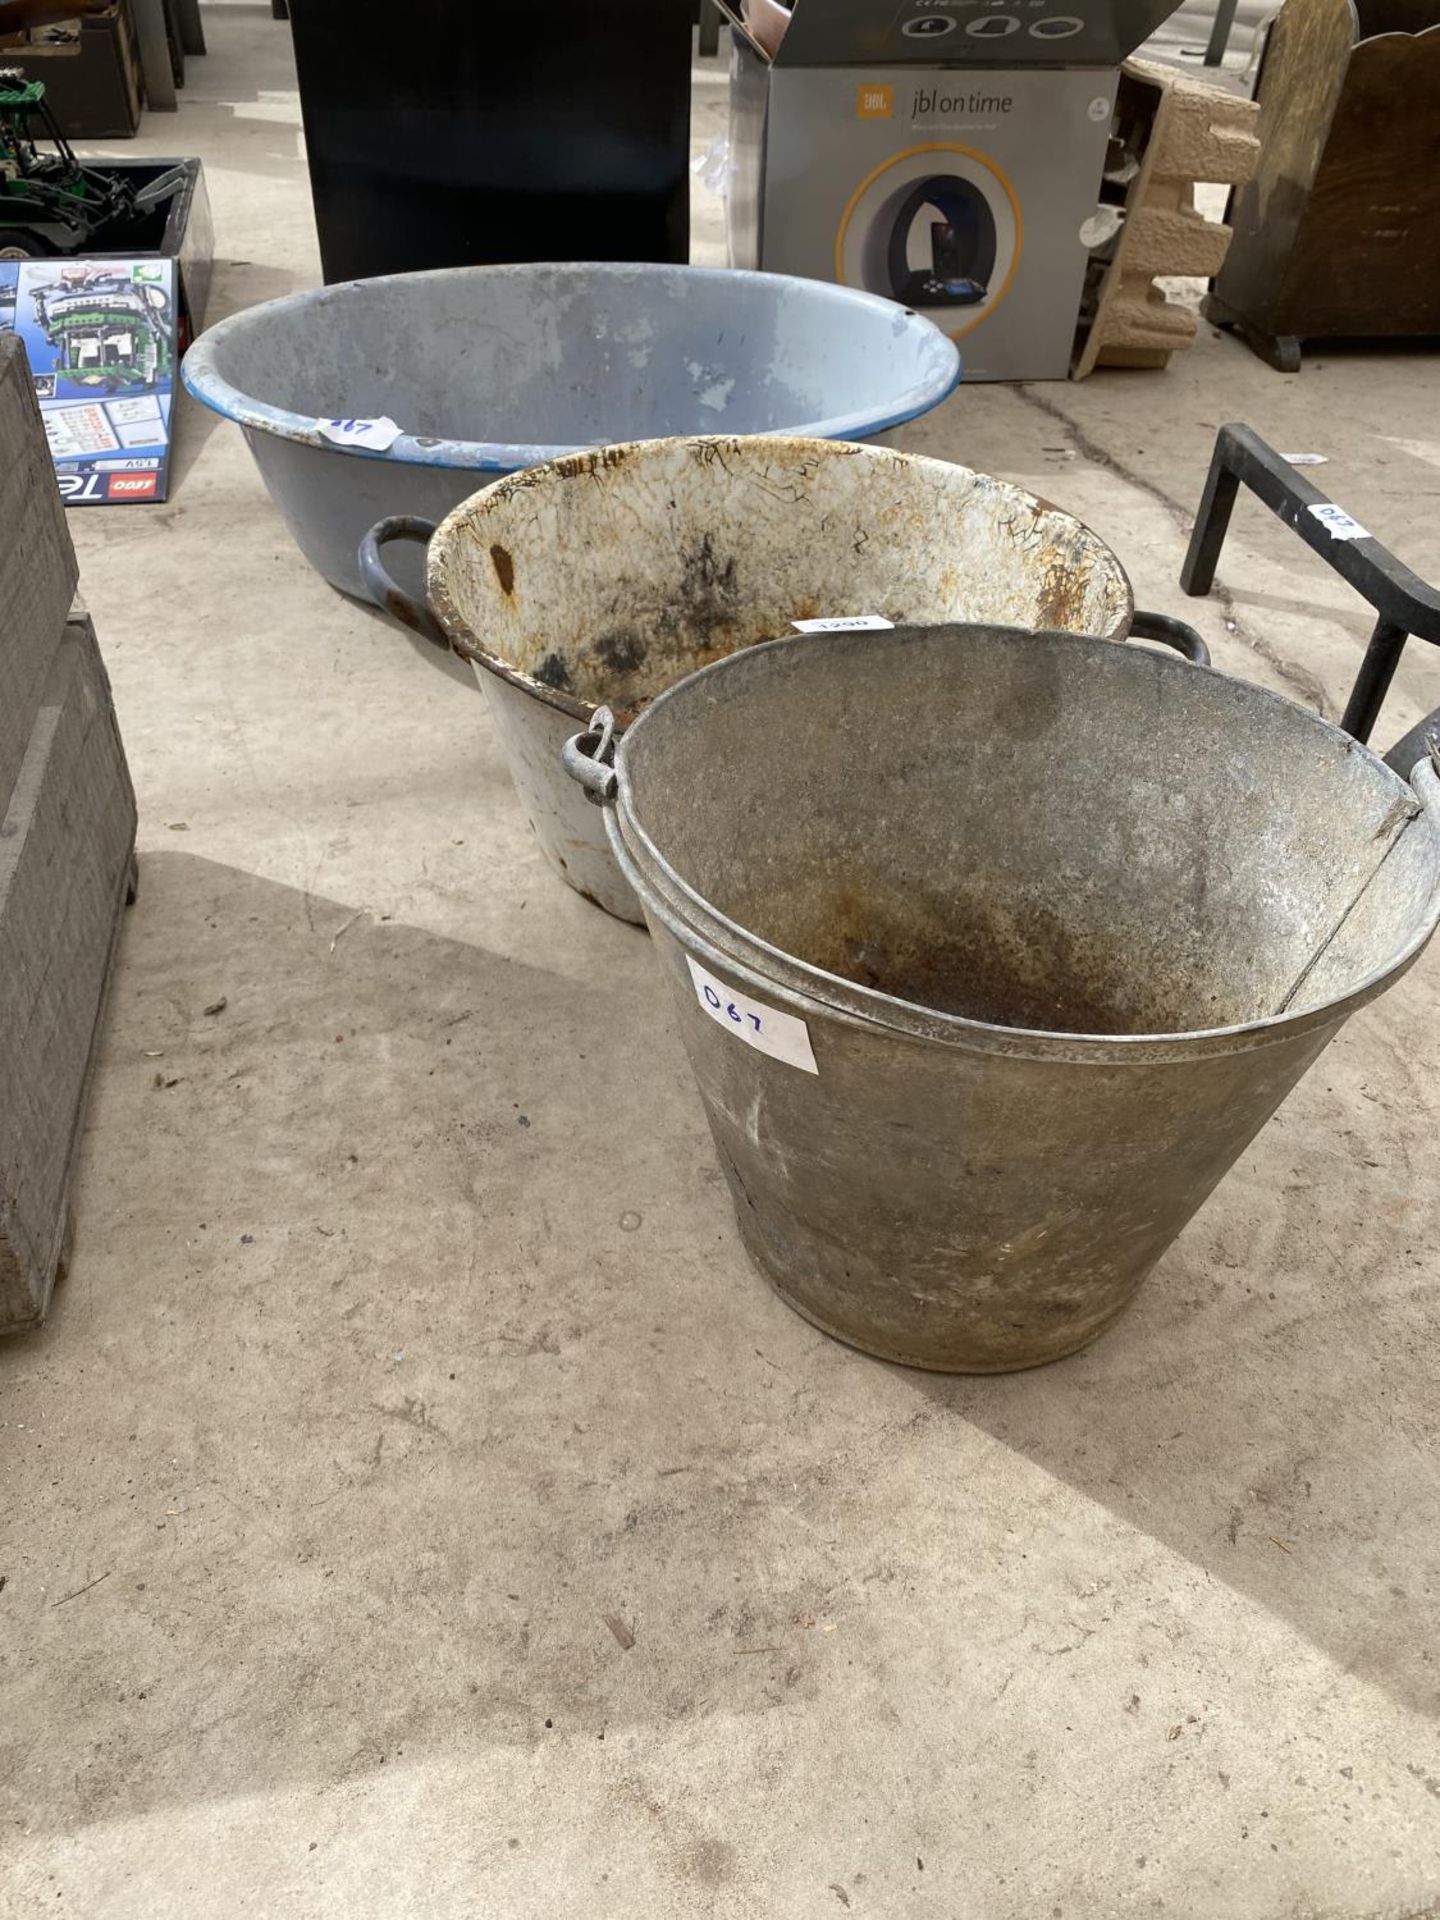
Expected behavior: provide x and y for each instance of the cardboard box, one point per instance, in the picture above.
(101, 340)
(105, 333)
(943, 153)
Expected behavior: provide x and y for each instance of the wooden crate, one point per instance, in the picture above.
(37, 562)
(67, 845)
(91, 74)
(67, 842)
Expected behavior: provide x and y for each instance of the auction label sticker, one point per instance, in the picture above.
(765, 1028)
(1340, 525)
(378, 435)
(844, 623)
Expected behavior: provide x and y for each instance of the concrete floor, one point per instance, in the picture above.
(408, 1334)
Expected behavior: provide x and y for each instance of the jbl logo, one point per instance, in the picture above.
(875, 103)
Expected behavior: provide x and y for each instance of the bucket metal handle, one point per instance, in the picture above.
(1424, 777)
(1170, 632)
(385, 591)
(589, 757)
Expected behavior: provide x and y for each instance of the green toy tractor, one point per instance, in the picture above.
(52, 203)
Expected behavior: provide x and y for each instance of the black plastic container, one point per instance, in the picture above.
(443, 135)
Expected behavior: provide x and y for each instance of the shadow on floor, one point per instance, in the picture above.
(359, 1363)
(408, 1346)
(1262, 1409)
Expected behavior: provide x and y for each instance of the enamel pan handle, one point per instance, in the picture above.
(384, 591)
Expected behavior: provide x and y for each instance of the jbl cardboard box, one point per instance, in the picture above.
(944, 153)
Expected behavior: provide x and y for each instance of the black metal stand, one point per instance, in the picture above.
(1407, 607)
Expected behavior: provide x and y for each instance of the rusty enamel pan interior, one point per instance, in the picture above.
(608, 576)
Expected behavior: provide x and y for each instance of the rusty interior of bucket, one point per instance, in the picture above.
(988, 956)
(680, 552)
(1033, 830)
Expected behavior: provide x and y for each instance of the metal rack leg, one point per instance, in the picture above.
(1212, 523)
(1220, 32)
(1372, 683)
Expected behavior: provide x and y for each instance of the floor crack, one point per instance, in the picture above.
(1304, 684)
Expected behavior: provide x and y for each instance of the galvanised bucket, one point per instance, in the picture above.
(993, 950)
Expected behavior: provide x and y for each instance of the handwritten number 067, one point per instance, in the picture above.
(730, 1010)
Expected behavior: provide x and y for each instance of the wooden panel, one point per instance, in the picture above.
(37, 562)
(66, 846)
(1299, 87)
(1367, 260)
(1339, 232)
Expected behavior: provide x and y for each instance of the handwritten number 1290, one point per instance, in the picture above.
(730, 1010)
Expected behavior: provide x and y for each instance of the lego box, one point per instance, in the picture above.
(101, 336)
